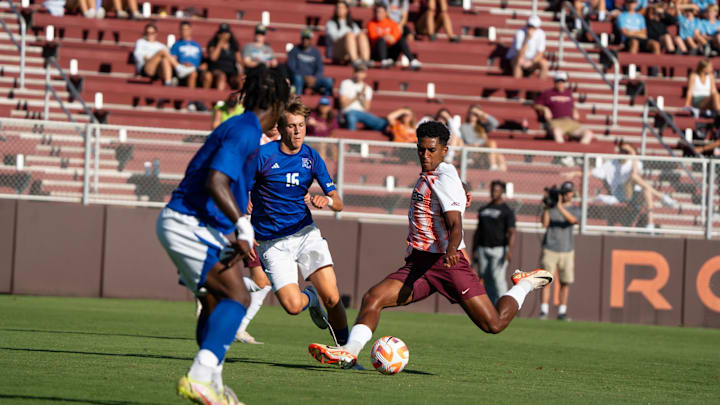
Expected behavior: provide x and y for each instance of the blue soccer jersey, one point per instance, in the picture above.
(278, 194)
(231, 149)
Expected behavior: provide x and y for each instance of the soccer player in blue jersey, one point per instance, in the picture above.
(205, 233)
(287, 237)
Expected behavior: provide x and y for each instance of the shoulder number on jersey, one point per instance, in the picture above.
(292, 180)
(417, 197)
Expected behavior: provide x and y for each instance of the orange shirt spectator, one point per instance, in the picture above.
(385, 28)
(402, 125)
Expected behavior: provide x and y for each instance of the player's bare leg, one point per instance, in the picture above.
(486, 316)
(326, 284)
(295, 301)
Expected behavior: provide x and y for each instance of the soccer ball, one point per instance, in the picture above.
(389, 355)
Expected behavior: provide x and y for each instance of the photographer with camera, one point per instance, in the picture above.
(558, 250)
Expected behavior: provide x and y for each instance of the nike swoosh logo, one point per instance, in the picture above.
(465, 290)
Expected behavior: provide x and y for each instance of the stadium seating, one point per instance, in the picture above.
(463, 74)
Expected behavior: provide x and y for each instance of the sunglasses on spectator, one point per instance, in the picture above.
(150, 32)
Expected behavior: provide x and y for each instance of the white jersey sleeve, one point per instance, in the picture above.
(449, 189)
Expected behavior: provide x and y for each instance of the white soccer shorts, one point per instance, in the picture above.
(194, 247)
(306, 250)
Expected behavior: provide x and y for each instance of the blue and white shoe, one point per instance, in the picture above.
(317, 313)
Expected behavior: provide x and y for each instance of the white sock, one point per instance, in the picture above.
(562, 309)
(203, 366)
(520, 291)
(217, 380)
(359, 336)
(601, 16)
(256, 301)
(544, 308)
(250, 285)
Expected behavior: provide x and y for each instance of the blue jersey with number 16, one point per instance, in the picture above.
(281, 182)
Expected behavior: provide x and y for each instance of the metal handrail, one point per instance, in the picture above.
(651, 103)
(21, 46)
(73, 90)
(615, 84)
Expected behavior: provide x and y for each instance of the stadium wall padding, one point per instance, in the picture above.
(108, 251)
(7, 243)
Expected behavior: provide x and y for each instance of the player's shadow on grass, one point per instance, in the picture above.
(140, 355)
(72, 332)
(270, 363)
(75, 400)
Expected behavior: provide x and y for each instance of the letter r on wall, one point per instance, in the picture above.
(650, 289)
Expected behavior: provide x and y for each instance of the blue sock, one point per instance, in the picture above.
(342, 335)
(201, 330)
(221, 327)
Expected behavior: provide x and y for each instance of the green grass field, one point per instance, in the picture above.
(103, 351)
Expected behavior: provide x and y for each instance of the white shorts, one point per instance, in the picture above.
(194, 248)
(305, 250)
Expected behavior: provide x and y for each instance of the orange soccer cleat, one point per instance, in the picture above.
(332, 355)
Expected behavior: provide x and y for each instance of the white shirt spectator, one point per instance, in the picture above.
(349, 89)
(144, 50)
(536, 43)
(616, 174)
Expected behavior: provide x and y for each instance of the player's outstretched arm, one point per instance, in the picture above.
(218, 185)
(453, 220)
(332, 201)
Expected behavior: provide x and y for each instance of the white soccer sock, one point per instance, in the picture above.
(562, 309)
(544, 308)
(520, 291)
(359, 336)
(250, 285)
(256, 301)
(203, 366)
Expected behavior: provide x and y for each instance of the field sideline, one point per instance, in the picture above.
(104, 351)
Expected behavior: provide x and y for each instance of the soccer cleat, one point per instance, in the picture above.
(332, 355)
(230, 397)
(317, 313)
(198, 392)
(563, 317)
(539, 278)
(245, 337)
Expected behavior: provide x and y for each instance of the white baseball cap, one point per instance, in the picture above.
(534, 21)
(561, 76)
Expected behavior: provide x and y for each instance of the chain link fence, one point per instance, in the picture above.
(714, 199)
(142, 166)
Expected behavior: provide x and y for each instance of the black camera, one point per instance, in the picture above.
(552, 195)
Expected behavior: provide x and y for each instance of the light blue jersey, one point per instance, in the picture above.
(231, 149)
(687, 27)
(709, 28)
(280, 184)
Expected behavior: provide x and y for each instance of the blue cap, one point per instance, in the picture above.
(324, 101)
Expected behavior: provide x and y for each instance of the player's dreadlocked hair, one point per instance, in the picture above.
(434, 129)
(264, 88)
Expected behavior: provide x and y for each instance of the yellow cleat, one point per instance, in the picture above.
(200, 393)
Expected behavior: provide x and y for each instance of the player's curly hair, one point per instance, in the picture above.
(264, 89)
(434, 129)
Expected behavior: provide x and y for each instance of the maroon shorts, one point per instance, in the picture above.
(249, 264)
(425, 274)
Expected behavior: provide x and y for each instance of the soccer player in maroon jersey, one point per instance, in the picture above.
(434, 261)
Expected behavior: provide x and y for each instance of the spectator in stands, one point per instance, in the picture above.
(258, 52)
(702, 92)
(398, 11)
(306, 66)
(223, 110)
(702, 5)
(689, 39)
(56, 8)
(386, 40)
(322, 120)
(132, 9)
(453, 123)
(526, 54)
(152, 58)
(557, 107)
(434, 16)
(624, 182)
(188, 53)
(321, 123)
(657, 22)
(344, 39)
(710, 28)
(90, 9)
(591, 8)
(223, 54)
(474, 131)
(632, 27)
(355, 97)
(402, 125)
